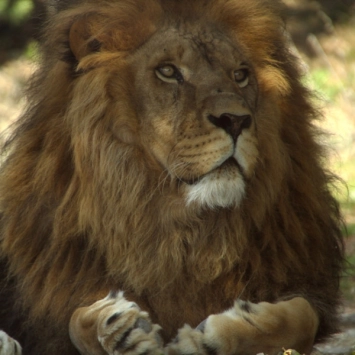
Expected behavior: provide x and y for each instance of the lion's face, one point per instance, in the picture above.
(196, 98)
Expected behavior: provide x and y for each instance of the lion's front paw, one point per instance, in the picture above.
(124, 329)
(120, 327)
(9, 346)
(249, 328)
(188, 341)
(218, 334)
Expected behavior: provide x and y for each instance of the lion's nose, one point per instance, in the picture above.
(231, 123)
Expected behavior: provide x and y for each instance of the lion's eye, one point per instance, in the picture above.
(241, 76)
(169, 73)
(167, 70)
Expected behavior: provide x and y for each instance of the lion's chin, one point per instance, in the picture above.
(217, 190)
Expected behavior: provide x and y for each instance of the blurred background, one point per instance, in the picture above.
(323, 35)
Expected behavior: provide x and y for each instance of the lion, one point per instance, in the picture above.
(165, 190)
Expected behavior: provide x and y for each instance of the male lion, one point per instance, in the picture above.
(168, 158)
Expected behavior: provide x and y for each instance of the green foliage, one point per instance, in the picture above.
(322, 81)
(17, 11)
(349, 230)
(346, 197)
(348, 278)
(31, 51)
(351, 55)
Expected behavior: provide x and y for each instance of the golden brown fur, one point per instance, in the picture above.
(88, 206)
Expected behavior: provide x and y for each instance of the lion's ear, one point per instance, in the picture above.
(83, 36)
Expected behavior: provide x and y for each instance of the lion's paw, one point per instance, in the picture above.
(218, 334)
(121, 326)
(221, 333)
(231, 331)
(250, 328)
(188, 341)
(9, 346)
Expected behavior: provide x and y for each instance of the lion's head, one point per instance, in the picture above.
(194, 94)
(166, 139)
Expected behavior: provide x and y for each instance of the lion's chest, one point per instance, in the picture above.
(174, 307)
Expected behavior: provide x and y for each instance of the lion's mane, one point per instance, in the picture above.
(82, 204)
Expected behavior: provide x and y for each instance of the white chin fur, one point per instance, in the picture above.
(211, 192)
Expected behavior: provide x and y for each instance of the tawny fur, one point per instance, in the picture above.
(86, 208)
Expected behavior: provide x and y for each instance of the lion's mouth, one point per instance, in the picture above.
(230, 163)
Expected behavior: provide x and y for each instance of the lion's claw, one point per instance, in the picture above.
(144, 325)
(201, 326)
(117, 327)
(125, 329)
(9, 346)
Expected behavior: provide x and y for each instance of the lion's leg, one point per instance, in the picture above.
(9, 346)
(114, 325)
(250, 328)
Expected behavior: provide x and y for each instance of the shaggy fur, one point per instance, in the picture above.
(88, 205)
